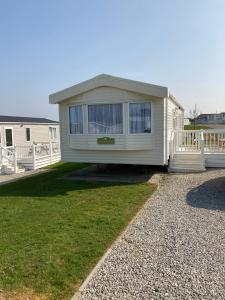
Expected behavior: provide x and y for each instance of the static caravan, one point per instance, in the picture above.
(113, 120)
(25, 131)
(28, 143)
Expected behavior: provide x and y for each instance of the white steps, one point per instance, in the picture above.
(187, 162)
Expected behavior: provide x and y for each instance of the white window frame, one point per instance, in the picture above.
(107, 134)
(83, 115)
(128, 118)
(26, 133)
(50, 132)
(12, 136)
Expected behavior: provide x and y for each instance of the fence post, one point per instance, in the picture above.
(15, 160)
(1, 155)
(202, 144)
(203, 149)
(51, 153)
(34, 156)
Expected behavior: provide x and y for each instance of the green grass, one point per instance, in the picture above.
(53, 232)
(195, 127)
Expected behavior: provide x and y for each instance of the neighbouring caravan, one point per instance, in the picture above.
(28, 143)
(24, 131)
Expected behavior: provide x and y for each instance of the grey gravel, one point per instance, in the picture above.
(175, 249)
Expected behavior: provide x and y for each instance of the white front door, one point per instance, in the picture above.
(8, 137)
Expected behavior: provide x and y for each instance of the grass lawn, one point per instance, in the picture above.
(195, 127)
(53, 232)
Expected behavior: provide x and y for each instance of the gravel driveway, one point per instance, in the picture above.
(175, 249)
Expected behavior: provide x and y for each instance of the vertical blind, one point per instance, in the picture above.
(76, 119)
(105, 118)
(140, 117)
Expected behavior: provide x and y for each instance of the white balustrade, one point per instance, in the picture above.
(198, 141)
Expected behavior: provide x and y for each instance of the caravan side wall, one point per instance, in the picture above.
(39, 133)
(145, 149)
(175, 120)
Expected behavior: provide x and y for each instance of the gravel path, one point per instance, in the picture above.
(175, 249)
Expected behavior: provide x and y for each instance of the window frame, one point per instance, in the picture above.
(29, 134)
(83, 118)
(106, 134)
(50, 132)
(128, 118)
(12, 128)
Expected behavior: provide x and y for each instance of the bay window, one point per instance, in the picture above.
(140, 117)
(105, 118)
(76, 119)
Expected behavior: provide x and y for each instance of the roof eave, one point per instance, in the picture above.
(33, 123)
(110, 81)
(171, 96)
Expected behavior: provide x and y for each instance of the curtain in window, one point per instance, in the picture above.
(140, 117)
(105, 119)
(76, 119)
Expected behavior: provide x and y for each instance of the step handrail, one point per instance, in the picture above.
(9, 154)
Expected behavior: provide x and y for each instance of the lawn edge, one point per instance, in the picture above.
(155, 180)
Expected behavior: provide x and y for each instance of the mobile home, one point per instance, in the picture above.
(114, 120)
(28, 143)
(25, 131)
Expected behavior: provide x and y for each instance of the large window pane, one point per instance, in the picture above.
(105, 118)
(76, 119)
(140, 117)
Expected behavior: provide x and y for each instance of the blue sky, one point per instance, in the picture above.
(48, 45)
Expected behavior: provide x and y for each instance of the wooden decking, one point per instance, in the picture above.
(194, 150)
(17, 159)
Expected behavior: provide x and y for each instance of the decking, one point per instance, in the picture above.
(16, 159)
(194, 150)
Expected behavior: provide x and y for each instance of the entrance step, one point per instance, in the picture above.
(187, 162)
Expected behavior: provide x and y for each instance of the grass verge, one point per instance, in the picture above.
(195, 127)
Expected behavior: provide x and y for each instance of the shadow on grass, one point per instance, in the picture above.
(210, 195)
(52, 184)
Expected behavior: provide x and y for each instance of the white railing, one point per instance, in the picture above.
(6, 154)
(214, 140)
(8, 157)
(198, 141)
(24, 152)
(34, 156)
(39, 150)
(187, 140)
